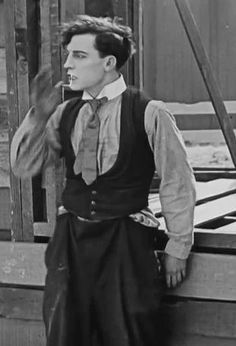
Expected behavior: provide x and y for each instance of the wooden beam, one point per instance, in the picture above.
(50, 56)
(208, 318)
(5, 208)
(18, 98)
(209, 211)
(212, 173)
(195, 122)
(21, 333)
(203, 62)
(198, 340)
(210, 276)
(222, 238)
(137, 26)
(13, 114)
(206, 191)
(22, 264)
(22, 29)
(20, 303)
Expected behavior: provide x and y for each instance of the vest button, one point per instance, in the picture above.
(94, 192)
(93, 203)
(93, 212)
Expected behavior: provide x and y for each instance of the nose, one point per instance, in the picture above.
(69, 62)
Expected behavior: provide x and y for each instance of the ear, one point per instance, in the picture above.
(110, 63)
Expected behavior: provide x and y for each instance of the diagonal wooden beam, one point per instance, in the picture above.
(207, 73)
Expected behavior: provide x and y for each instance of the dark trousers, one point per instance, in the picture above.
(103, 284)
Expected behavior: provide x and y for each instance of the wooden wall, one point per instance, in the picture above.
(171, 73)
(2, 37)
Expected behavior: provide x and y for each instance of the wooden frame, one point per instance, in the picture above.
(207, 74)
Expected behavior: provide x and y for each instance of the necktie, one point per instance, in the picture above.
(86, 158)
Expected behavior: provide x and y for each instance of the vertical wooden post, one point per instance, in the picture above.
(50, 55)
(137, 26)
(121, 10)
(13, 115)
(18, 96)
(208, 75)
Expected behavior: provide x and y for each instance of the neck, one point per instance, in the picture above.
(96, 89)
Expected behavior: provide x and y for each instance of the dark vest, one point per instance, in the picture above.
(124, 188)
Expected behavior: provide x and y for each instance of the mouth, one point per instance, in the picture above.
(71, 77)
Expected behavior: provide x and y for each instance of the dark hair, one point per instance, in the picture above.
(112, 38)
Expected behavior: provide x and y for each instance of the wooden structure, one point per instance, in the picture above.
(202, 311)
(178, 79)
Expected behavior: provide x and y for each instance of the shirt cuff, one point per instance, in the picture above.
(177, 249)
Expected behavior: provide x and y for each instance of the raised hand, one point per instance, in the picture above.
(44, 96)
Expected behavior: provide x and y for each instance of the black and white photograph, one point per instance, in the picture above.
(117, 172)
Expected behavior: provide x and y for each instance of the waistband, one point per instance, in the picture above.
(61, 210)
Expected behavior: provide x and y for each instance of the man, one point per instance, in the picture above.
(103, 284)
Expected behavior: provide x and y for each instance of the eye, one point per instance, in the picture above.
(78, 55)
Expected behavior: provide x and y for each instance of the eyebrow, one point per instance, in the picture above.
(77, 51)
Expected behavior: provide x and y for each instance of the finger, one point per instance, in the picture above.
(58, 85)
(179, 277)
(43, 78)
(168, 280)
(183, 273)
(174, 280)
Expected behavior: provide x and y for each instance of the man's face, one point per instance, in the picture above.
(85, 67)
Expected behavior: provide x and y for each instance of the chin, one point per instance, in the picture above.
(75, 87)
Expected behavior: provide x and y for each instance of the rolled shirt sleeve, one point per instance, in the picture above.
(35, 144)
(177, 187)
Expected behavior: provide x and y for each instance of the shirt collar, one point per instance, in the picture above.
(110, 90)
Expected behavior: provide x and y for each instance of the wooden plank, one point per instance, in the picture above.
(21, 333)
(210, 276)
(209, 174)
(50, 26)
(215, 238)
(50, 56)
(5, 208)
(208, 318)
(228, 229)
(13, 114)
(214, 189)
(214, 209)
(22, 264)
(210, 211)
(186, 122)
(18, 303)
(207, 74)
(44, 229)
(198, 340)
(23, 105)
(205, 192)
(137, 26)
(200, 116)
(18, 69)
